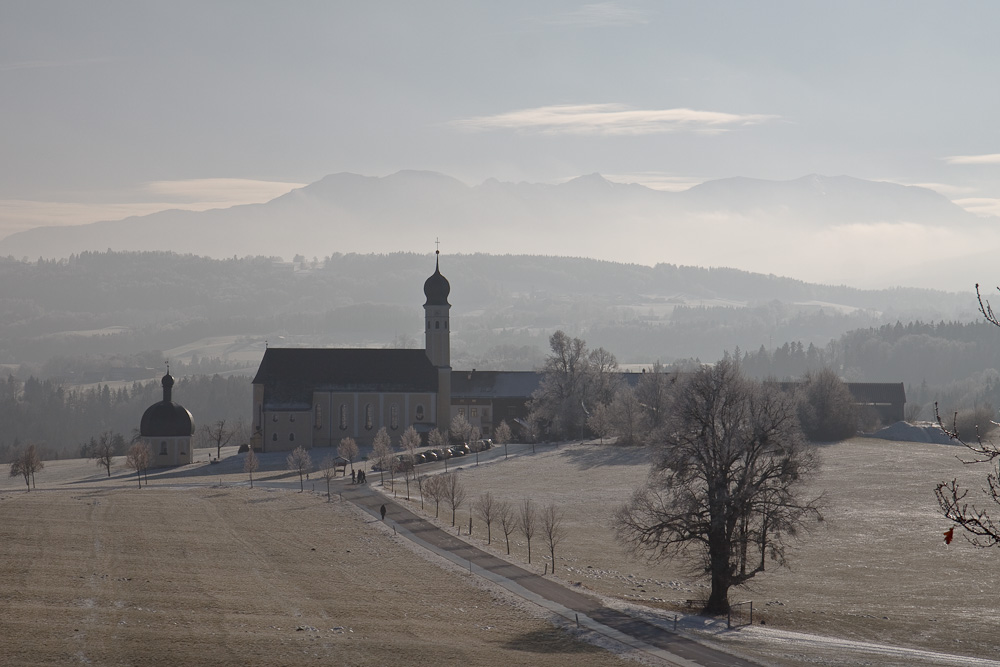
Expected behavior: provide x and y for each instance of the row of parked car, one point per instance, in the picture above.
(430, 455)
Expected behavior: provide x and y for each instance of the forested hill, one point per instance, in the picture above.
(129, 303)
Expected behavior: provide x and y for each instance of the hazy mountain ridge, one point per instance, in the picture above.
(740, 222)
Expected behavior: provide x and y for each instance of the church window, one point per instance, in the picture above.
(274, 418)
(437, 325)
(486, 413)
(163, 448)
(473, 412)
(369, 416)
(291, 418)
(419, 415)
(394, 416)
(343, 417)
(274, 436)
(319, 416)
(291, 436)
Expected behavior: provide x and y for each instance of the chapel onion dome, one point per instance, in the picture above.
(437, 288)
(166, 418)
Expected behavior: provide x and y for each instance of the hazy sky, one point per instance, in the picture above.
(110, 108)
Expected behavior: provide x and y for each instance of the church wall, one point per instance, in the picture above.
(359, 415)
(170, 451)
(285, 430)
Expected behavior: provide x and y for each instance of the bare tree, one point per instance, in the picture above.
(508, 520)
(977, 523)
(348, 449)
(250, 464)
(434, 488)
(827, 411)
(558, 407)
(26, 464)
(137, 459)
(454, 492)
(527, 519)
(382, 453)
(409, 442)
(600, 421)
(626, 417)
(460, 428)
(219, 434)
(300, 462)
(725, 489)
(328, 471)
(502, 435)
(104, 449)
(438, 439)
(486, 509)
(552, 530)
(655, 393)
(421, 480)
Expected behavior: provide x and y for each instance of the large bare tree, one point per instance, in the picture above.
(507, 518)
(382, 453)
(725, 490)
(409, 443)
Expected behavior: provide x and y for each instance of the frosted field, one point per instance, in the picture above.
(873, 584)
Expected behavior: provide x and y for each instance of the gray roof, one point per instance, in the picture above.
(494, 384)
(290, 375)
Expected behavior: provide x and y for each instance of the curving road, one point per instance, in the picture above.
(572, 605)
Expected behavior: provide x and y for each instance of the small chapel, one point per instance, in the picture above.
(167, 428)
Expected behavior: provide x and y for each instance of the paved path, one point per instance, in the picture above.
(572, 605)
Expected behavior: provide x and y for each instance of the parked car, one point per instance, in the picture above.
(430, 455)
(457, 450)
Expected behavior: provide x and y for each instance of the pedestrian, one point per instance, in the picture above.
(382, 510)
(352, 477)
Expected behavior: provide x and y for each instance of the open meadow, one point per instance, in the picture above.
(197, 568)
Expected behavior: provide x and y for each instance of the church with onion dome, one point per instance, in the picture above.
(315, 397)
(167, 428)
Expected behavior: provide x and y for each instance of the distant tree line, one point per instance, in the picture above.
(61, 423)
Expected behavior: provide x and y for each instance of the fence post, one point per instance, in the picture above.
(751, 612)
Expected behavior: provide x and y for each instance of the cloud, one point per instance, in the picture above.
(980, 205)
(223, 191)
(598, 14)
(991, 158)
(611, 119)
(655, 180)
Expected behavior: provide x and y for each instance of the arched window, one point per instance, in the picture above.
(419, 416)
(274, 436)
(274, 418)
(343, 416)
(369, 416)
(394, 416)
(291, 418)
(319, 415)
(163, 448)
(291, 436)
(437, 325)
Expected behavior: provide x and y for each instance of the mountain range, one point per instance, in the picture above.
(830, 230)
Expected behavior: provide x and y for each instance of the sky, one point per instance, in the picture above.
(116, 108)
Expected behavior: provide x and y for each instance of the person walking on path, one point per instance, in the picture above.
(352, 477)
(382, 510)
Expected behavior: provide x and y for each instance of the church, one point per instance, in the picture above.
(315, 397)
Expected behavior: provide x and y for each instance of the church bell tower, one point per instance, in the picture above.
(437, 337)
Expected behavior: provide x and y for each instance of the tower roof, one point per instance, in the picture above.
(166, 418)
(437, 288)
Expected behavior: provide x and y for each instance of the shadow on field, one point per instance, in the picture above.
(600, 456)
(549, 641)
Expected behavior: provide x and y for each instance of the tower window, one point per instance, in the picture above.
(394, 416)
(274, 436)
(437, 325)
(291, 436)
(369, 417)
